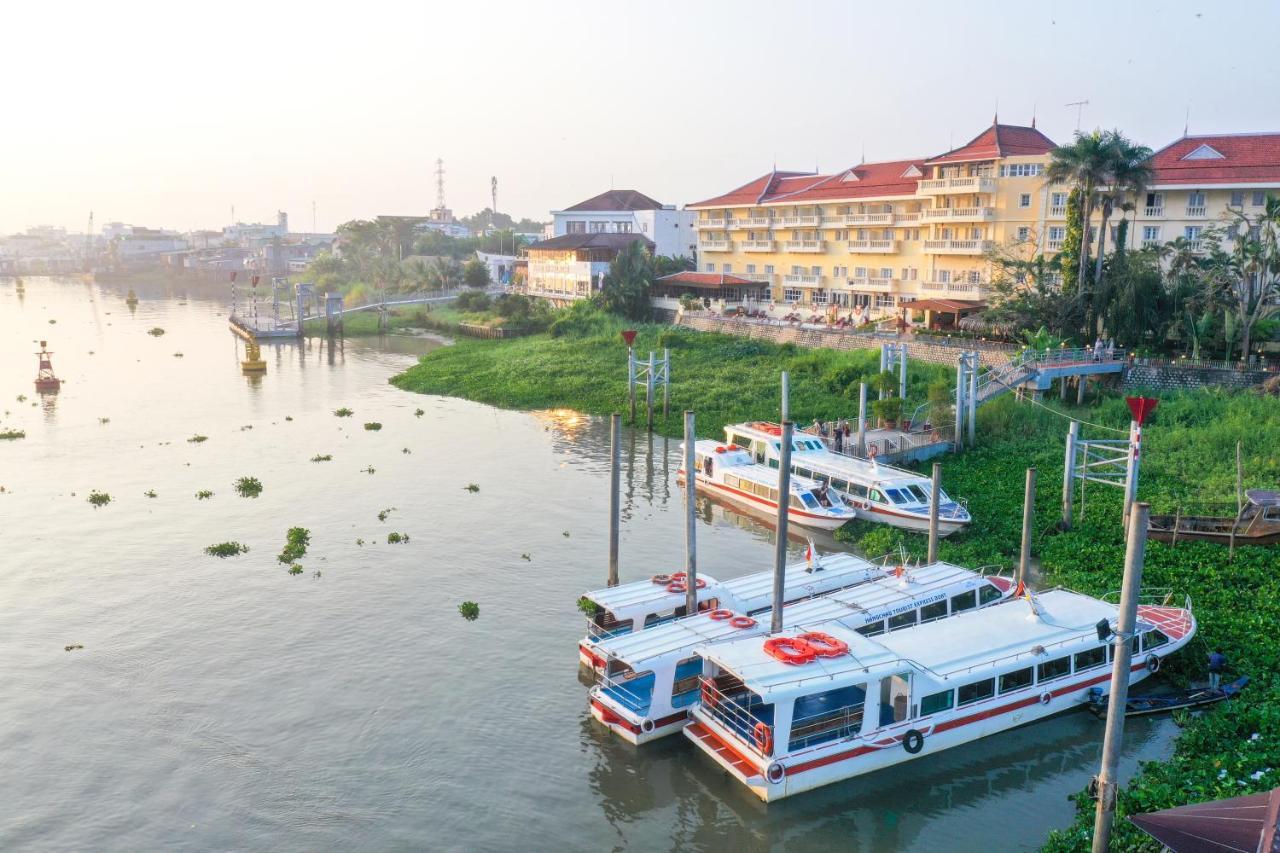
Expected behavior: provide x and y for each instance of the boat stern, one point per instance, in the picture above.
(636, 729)
(747, 769)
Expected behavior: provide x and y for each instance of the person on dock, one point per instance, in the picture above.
(1097, 349)
(838, 438)
(1217, 665)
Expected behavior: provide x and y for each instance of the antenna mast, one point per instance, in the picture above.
(440, 183)
(1079, 105)
(493, 189)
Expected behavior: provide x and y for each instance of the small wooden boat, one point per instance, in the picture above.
(1156, 703)
(1257, 523)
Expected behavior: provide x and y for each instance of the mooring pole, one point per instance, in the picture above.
(1131, 472)
(862, 419)
(1068, 475)
(780, 549)
(960, 365)
(631, 380)
(690, 530)
(786, 396)
(1080, 381)
(972, 402)
(648, 393)
(615, 489)
(1028, 521)
(884, 365)
(1122, 645)
(902, 372)
(666, 384)
(933, 513)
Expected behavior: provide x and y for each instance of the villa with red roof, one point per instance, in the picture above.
(875, 238)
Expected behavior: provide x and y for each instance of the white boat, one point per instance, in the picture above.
(728, 471)
(877, 492)
(821, 703)
(650, 681)
(648, 605)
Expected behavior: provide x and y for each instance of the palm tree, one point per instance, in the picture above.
(1128, 171)
(1085, 163)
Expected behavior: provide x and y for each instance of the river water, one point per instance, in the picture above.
(226, 704)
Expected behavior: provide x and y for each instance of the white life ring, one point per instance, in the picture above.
(646, 725)
(1046, 697)
(775, 773)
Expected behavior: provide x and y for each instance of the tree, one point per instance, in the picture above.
(1246, 254)
(475, 273)
(626, 285)
(1085, 163)
(1128, 171)
(1025, 294)
(445, 273)
(1069, 258)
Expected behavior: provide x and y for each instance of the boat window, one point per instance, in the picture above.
(875, 495)
(897, 496)
(895, 698)
(773, 463)
(772, 495)
(937, 702)
(839, 485)
(740, 440)
(1153, 639)
(858, 490)
(684, 690)
(976, 692)
(937, 610)
(1091, 658)
(1052, 669)
(964, 601)
(731, 481)
(809, 500)
(830, 715)
(803, 472)
(1133, 649)
(1015, 680)
(902, 620)
(872, 629)
(918, 494)
(987, 593)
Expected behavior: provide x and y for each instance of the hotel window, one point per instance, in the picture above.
(768, 269)
(1021, 170)
(859, 272)
(751, 268)
(1058, 200)
(727, 268)
(1150, 235)
(886, 272)
(1057, 233)
(1192, 232)
(1024, 234)
(1259, 198)
(884, 300)
(797, 270)
(791, 294)
(815, 270)
(1024, 200)
(862, 234)
(842, 234)
(944, 276)
(975, 234)
(711, 267)
(915, 233)
(975, 277)
(599, 227)
(575, 227)
(622, 227)
(887, 234)
(1237, 198)
(946, 233)
(839, 272)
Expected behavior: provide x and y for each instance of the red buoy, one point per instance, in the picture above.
(45, 380)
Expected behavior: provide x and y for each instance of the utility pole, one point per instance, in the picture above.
(615, 488)
(780, 548)
(933, 513)
(959, 438)
(1122, 644)
(690, 530)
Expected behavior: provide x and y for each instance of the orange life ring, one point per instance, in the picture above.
(721, 614)
(789, 650)
(742, 622)
(660, 579)
(763, 737)
(720, 448)
(681, 586)
(679, 576)
(824, 645)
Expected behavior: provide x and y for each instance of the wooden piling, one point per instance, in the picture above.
(933, 513)
(615, 488)
(780, 548)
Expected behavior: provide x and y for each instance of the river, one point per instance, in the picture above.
(226, 704)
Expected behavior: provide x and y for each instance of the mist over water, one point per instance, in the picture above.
(224, 704)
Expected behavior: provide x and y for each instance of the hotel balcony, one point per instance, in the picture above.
(1155, 211)
(904, 218)
(956, 247)
(960, 289)
(716, 245)
(808, 220)
(801, 280)
(806, 245)
(867, 219)
(1195, 246)
(942, 186)
(710, 223)
(1053, 245)
(879, 247)
(762, 277)
(758, 245)
(1195, 212)
(754, 222)
(1057, 212)
(959, 214)
(879, 285)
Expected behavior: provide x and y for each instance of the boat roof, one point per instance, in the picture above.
(945, 650)
(642, 597)
(871, 600)
(1263, 497)
(856, 465)
(745, 466)
(726, 454)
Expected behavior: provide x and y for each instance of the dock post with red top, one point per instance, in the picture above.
(690, 518)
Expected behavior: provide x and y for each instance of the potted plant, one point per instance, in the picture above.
(885, 382)
(939, 404)
(889, 411)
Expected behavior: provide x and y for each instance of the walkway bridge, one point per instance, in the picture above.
(334, 307)
(1036, 370)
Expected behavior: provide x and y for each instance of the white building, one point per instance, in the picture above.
(570, 267)
(630, 212)
(250, 231)
(500, 266)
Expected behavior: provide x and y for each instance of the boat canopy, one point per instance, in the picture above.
(1263, 497)
(641, 598)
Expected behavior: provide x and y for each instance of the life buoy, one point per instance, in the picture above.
(681, 586)
(1153, 663)
(734, 447)
(709, 696)
(660, 579)
(789, 650)
(646, 725)
(720, 615)
(775, 773)
(1046, 697)
(742, 622)
(720, 448)
(764, 738)
(824, 645)
(913, 741)
(679, 576)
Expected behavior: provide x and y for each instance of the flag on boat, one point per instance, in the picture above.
(812, 558)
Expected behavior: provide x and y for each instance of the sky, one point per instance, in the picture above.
(171, 114)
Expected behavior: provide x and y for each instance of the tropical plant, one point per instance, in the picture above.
(889, 409)
(626, 285)
(475, 273)
(1246, 253)
(1086, 165)
(885, 382)
(1128, 172)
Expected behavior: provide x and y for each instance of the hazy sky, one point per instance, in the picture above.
(168, 114)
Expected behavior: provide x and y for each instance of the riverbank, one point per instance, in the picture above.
(1188, 463)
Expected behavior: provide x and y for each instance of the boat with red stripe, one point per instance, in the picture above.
(782, 724)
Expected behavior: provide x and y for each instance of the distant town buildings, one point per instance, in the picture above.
(630, 212)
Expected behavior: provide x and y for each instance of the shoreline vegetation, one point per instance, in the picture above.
(1188, 464)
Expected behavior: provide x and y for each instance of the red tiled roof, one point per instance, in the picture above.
(755, 191)
(704, 279)
(949, 306)
(861, 181)
(1246, 158)
(999, 140)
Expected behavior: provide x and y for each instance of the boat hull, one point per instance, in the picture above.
(794, 516)
(638, 733)
(1217, 530)
(908, 521)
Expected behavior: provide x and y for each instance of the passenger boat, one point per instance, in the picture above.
(819, 703)
(728, 471)
(877, 492)
(643, 606)
(1157, 703)
(1257, 523)
(650, 681)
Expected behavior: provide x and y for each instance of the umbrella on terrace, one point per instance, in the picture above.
(1246, 824)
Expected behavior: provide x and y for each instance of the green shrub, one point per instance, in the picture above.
(469, 610)
(249, 487)
(226, 549)
(473, 300)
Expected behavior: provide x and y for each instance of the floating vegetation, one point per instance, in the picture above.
(406, 451)
(155, 331)
(373, 426)
(227, 549)
(295, 569)
(565, 534)
(288, 417)
(469, 610)
(11, 434)
(99, 498)
(149, 493)
(245, 427)
(104, 421)
(344, 412)
(382, 516)
(22, 398)
(417, 413)
(368, 470)
(525, 556)
(296, 542)
(472, 487)
(326, 457)
(249, 487)
(177, 355)
(203, 495)
(197, 439)
(397, 538)
(360, 542)
(74, 647)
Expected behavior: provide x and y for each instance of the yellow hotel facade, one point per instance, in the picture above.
(864, 242)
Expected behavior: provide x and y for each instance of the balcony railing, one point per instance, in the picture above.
(913, 216)
(1154, 210)
(709, 223)
(868, 219)
(1151, 244)
(757, 245)
(802, 280)
(956, 288)
(762, 277)
(717, 245)
(882, 285)
(953, 214)
(1053, 245)
(1197, 210)
(807, 219)
(877, 246)
(1195, 245)
(756, 222)
(806, 245)
(957, 247)
(1058, 211)
(975, 184)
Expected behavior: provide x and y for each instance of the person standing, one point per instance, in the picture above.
(1217, 664)
(839, 438)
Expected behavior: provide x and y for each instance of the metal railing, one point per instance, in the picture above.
(633, 701)
(738, 720)
(830, 725)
